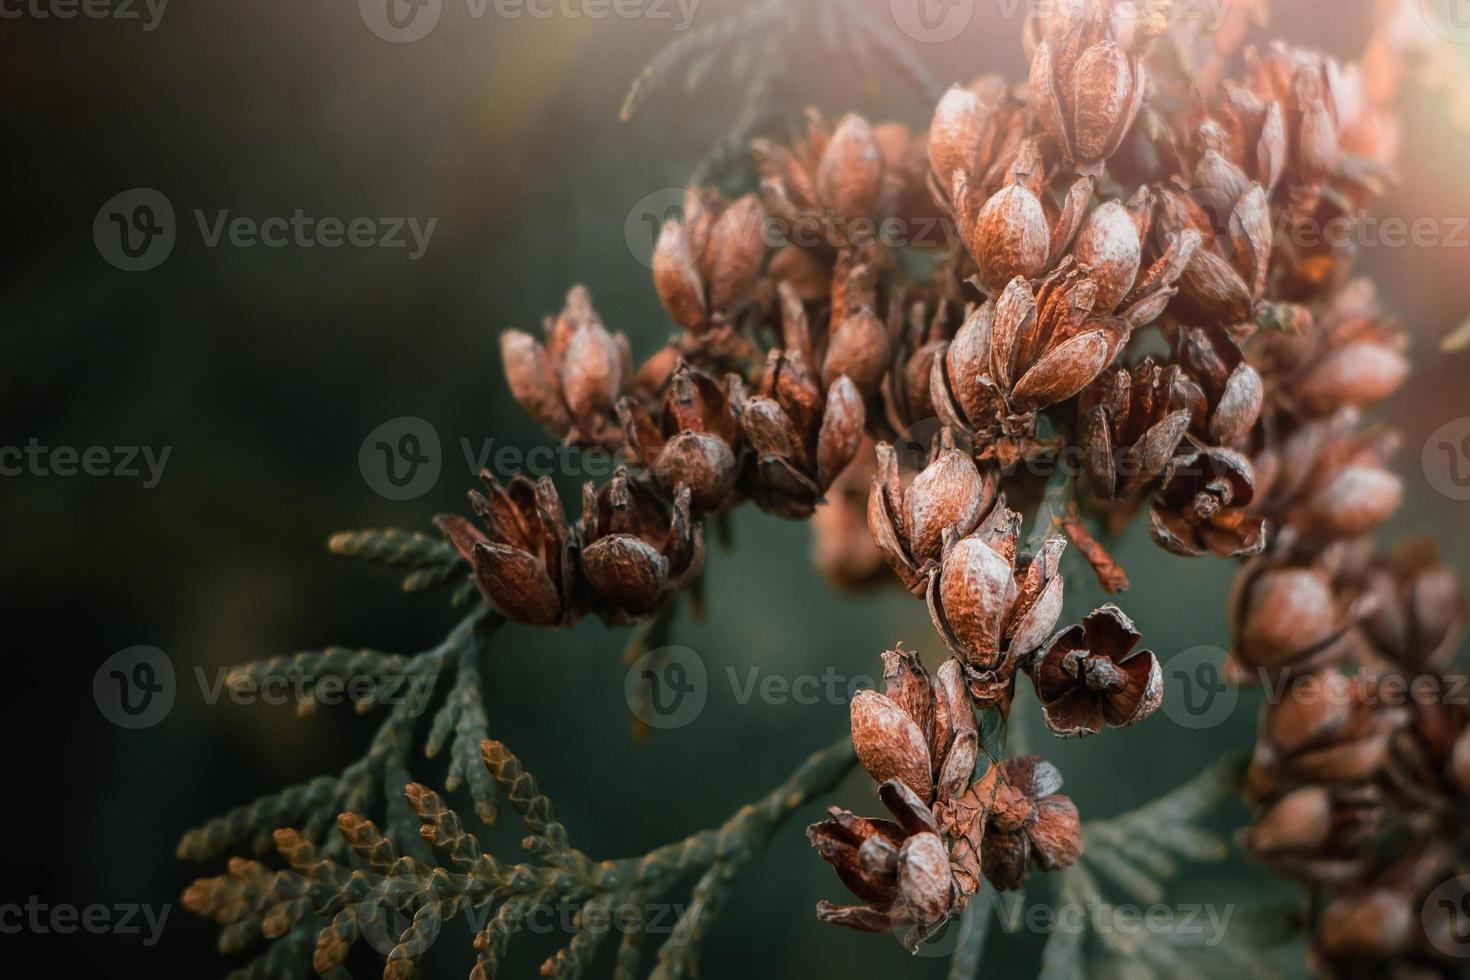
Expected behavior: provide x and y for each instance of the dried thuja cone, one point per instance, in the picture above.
(857, 343)
(918, 740)
(1131, 421)
(976, 133)
(1221, 389)
(1416, 612)
(842, 546)
(1111, 247)
(1086, 86)
(834, 176)
(1328, 480)
(1349, 356)
(1023, 353)
(707, 262)
(693, 441)
(1018, 231)
(993, 605)
(635, 549)
(524, 561)
(908, 523)
(1202, 505)
(1319, 834)
(801, 438)
(1029, 826)
(919, 339)
(1322, 729)
(1225, 278)
(1286, 615)
(1089, 676)
(572, 382)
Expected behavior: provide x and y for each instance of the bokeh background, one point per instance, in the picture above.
(264, 369)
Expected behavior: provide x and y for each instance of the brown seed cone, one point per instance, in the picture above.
(1348, 356)
(1088, 677)
(1318, 834)
(1286, 616)
(1417, 613)
(636, 551)
(706, 264)
(1130, 424)
(523, 560)
(1086, 89)
(1031, 826)
(850, 174)
(571, 384)
(842, 546)
(802, 439)
(908, 524)
(693, 441)
(993, 607)
(1324, 728)
(1025, 352)
(1329, 481)
(1202, 506)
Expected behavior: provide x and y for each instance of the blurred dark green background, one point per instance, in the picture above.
(264, 369)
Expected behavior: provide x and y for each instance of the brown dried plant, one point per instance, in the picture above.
(1122, 325)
